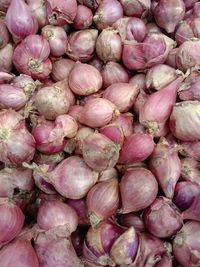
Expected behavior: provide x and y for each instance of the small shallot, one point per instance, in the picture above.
(81, 209)
(61, 69)
(83, 19)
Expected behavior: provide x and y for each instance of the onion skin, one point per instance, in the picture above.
(171, 58)
(81, 44)
(56, 213)
(192, 213)
(103, 201)
(39, 11)
(83, 19)
(97, 63)
(125, 122)
(132, 219)
(107, 13)
(169, 13)
(31, 57)
(4, 4)
(190, 149)
(92, 4)
(59, 13)
(114, 133)
(6, 57)
(186, 246)
(165, 164)
(137, 147)
(185, 120)
(70, 173)
(88, 81)
(12, 221)
(4, 38)
(152, 114)
(138, 189)
(99, 152)
(136, 8)
(61, 69)
(123, 95)
(162, 218)
(79, 205)
(6, 77)
(99, 108)
(190, 170)
(22, 254)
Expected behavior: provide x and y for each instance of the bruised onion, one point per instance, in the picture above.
(57, 38)
(138, 188)
(56, 213)
(113, 72)
(87, 82)
(31, 57)
(83, 19)
(186, 245)
(190, 170)
(98, 112)
(61, 12)
(162, 218)
(166, 166)
(81, 44)
(4, 38)
(107, 13)
(61, 69)
(169, 13)
(123, 95)
(11, 222)
(16, 143)
(109, 45)
(54, 100)
(136, 147)
(18, 253)
(20, 20)
(72, 178)
(6, 57)
(81, 209)
(185, 120)
(99, 152)
(136, 8)
(102, 201)
(152, 114)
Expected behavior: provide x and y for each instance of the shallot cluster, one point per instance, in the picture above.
(99, 133)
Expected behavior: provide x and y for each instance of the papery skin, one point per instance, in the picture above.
(83, 19)
(190, 149)
(6, 57)
(136, 8)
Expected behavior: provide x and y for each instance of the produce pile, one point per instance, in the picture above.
(99, 133)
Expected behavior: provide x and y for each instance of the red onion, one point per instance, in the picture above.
(160, 76)
(4, 38)
(20, 20)
(99, 152)
(162, 218)
(39, 11)
(114, 133)
(185, 120)
(97, 63)
(169, 13)
(166, 166)
(11, 221)
(125, 122)
(107, 13)
(88, 81)
(190, 149)
(136, 8)
(113, 72)
(109, 45)
(103, 201)
(123, 95)
(15, 179)
(152, 113)
(136, 147)
(81, 44)
(61, 69)
(55, 213)
(16, 143)
(84, 100)
(98, 112)
(31, 57)
(18, 253)
(185, 193)
(99, 241)
(190, 89)
(186, 246)
(187, 55)
(171, 58)
(83, 19)
(54, 100)
(190, 170)
(72, 178)
(81, 209)
(138, 189)
(133, 219)
(75, 111)
(57, 38)
(77, 238)
(6, 77)
(152, 51)
(53, 247)
(61, 12)
(4, 4)
(108, 174)
(6, 54)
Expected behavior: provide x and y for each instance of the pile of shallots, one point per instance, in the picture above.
(99, 133)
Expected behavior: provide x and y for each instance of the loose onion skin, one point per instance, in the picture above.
(138, 189)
